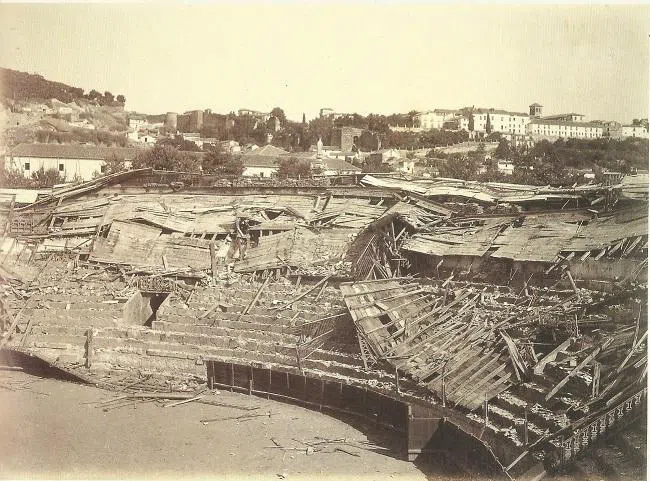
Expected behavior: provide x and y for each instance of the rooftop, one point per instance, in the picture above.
(73, 151)
(268, 149)
(339, 165)
(566, 122)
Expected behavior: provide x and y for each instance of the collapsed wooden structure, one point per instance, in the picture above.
(511, 323)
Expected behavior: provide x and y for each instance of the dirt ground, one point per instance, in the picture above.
(49, 428)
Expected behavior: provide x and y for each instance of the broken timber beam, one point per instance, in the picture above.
(311, 289)
(539, 367)
(256, 298)
(561, 384)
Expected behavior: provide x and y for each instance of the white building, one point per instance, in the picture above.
(505, 167)
(137, 123)
(634, 131)
(262, 162)
(560, 129)
(71, 160)
(434, 119)
(501, 121)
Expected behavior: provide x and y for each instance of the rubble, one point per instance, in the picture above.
(525, 327)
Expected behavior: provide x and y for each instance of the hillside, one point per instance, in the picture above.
(26, 86)
(38, 110)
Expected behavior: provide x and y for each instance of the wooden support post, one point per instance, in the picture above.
(573, 284)
(89, 348)
(396, 380)
(485, 407)
(232, 376)
(250, 382)
(526, 426)
(444, 385)
(213, 259)
(365, 402)
(322, 395)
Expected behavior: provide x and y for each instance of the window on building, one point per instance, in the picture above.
(62, 167)
(102, 169)
(26, 165)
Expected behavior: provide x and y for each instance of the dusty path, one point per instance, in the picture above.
(47, 432)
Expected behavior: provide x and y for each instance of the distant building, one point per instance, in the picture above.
(231, 146)
(346, 138)
(505, 167)
(572, 117)
(403, 165)
(535, 110)
(326, 111)
(384, 155)
(611, 129)
(137, 123)
(634, 131)
(333, 166)
(562, 129)
(263, 116)
(71, 160)
(501, 121)
(434, 119)
(329, 166)
(262, 162)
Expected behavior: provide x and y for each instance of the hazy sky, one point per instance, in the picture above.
(364, 58)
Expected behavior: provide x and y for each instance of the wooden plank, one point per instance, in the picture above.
(313, 288)
(539, 367)
(90, 349)
(256, 298)
(561, 384)
(213, 259)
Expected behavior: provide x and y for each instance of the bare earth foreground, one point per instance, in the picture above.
(50, 428)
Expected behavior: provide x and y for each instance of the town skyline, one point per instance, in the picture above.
(398, 59)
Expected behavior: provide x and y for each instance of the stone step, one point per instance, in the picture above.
(232, 324)
(185, 316)
(177, 367)
(536, 413)
(80, 304)
(223, 329)
(505, 419)
(58, 339)
(89, 319)
(196, 348)
(72, 298)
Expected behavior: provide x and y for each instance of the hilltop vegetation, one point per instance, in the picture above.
(25, 86)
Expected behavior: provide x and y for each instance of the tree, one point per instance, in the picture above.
(121, 99)
(278, 113)
(460, 167)
(470, 124)
(216, 161)
(109, 98)
(503, 150)
(113, 164)
(47, 178)
(412, 115)
(94, 94)
(293, 168)
(166, 157)
(488, 125)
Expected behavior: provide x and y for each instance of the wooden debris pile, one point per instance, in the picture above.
(537, 364)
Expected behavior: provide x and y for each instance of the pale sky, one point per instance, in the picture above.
(363, 58)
